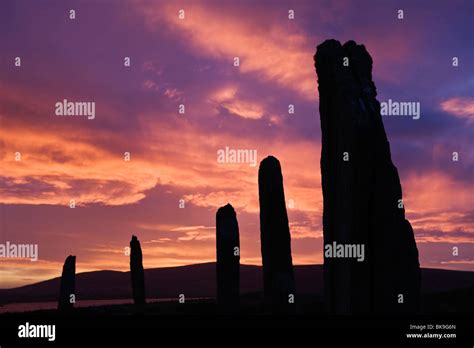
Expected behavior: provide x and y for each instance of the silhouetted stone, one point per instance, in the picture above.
(136, 272)
(68, 285)
(361, 195)
(228, 259)
(278, 279)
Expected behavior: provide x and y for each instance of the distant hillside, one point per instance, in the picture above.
(199, 281)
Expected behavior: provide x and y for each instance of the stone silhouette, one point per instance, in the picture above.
(362, 192)
(136, 272)
(67, 296)
(228, 259)
(278, 278)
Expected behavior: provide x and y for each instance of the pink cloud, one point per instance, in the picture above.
(461, 107)
(275, 54)
(227, 98)
(438, 207)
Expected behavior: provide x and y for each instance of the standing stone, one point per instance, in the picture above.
(136, 272)
(68, 285)
(361, 192)
(278, 279)
(228, 259)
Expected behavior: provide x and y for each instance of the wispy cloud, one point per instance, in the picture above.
(275, 53)
(227, 98)
(461, 107)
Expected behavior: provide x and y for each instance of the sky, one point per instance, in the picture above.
(173, 156)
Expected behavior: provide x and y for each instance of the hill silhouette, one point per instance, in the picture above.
(198, 280)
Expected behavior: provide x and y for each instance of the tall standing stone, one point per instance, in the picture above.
(362, 192)
(228, 259)
(136, 272)
(278, 278)
(68, 285)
